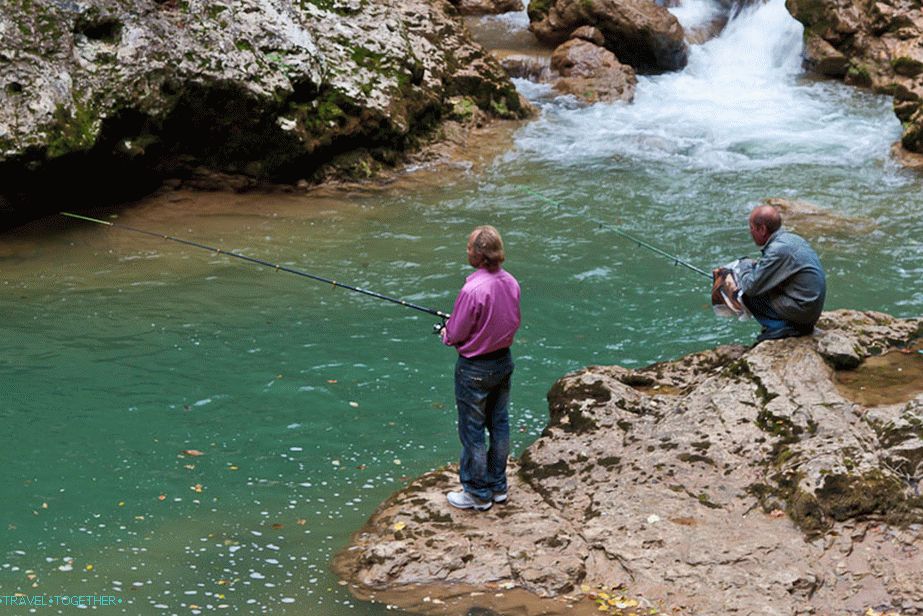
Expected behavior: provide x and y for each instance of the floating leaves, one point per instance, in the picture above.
(194, 453)
(617, 602)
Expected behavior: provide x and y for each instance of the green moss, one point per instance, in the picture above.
(781, 427)
(849, 496)
(692, 457)
(909, 67)
(72, 132)
(463, 108)
(859, 74)
(367, 58)
(704, 499)
(243, 45)
(214, 10)
(538, 9)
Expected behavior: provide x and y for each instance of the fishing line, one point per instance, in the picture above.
(676, 260)
(275, 266)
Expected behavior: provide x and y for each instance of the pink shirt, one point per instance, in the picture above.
(486, 313)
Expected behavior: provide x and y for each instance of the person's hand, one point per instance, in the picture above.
(442, 334)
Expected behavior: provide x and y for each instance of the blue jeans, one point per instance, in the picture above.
(482, 394)
(774, 326)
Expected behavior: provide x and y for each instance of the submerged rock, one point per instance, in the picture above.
(104, 91)
(872, 44)
(732, 477)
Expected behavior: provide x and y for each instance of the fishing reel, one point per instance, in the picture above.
(438, 327)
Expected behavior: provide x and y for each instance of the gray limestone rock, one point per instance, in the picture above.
(728, 478)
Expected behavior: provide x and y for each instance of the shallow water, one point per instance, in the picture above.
(311, 405)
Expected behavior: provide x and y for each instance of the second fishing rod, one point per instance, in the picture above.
(629, 236)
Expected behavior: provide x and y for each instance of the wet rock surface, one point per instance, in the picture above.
(486, 7)
(592, 73)
(733, 479)
(640, 33)
(872, 44)
(264, 89)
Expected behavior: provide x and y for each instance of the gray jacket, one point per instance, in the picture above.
(790, 275)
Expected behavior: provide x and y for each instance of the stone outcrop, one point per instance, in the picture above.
(816, 222)
(592, 73)
(736, 479)
(640, 33)
(486, 7)
(872, 44)
(268, 89)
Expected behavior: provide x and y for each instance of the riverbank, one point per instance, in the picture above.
(729, 477)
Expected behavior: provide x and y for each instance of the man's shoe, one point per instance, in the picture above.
(463, 500)
(500, 497)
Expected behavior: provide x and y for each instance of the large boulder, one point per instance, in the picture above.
(640, 33)
(876, 44)
(592, 73)
(727, 478)
(486, 7)
(95, 92)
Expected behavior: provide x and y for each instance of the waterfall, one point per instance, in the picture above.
(742, 102)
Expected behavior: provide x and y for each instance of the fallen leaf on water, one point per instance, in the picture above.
(193, 452)
(277, 525)
(89, 567)
(331, 381)
(139, 517)
(189, 466)
(362, 467)
(301, 521)
(162, 497)
(400, 525)
(197, 488)
(355, 405)
(233, 467)
(121, 503)
(396, 461)
(44, 505)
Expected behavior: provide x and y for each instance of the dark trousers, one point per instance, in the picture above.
(774, 325)
(482, 395)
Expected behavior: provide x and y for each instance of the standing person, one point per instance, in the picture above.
(482, 326)
(785, 290)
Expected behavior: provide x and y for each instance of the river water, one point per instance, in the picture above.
(311, 405)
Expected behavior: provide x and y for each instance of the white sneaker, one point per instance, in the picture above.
(463, 500)
(500, 497)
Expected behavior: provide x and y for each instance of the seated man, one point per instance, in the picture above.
(786, 288)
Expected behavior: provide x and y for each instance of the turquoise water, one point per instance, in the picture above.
(312, 405)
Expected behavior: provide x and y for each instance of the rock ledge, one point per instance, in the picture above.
(728, 478)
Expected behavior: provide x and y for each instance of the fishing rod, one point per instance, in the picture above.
(676, 260)
(437, 313)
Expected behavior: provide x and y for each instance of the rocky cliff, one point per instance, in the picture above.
(877, 44)
(737, 480)
(110, 93)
